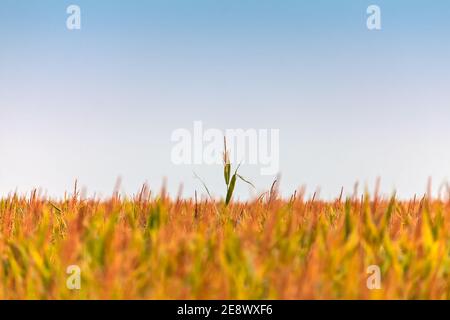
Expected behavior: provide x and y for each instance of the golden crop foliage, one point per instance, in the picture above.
(155, 247)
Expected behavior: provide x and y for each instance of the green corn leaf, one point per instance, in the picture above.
(246, 181)
(231, 189)
(226, 171)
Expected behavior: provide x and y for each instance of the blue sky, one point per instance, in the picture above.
(98, 103)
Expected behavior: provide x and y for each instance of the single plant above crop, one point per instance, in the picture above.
(230, 180)
(230, 183)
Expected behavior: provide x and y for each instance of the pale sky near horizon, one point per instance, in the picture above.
(102, 102)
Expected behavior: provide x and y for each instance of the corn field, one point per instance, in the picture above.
(151, 246)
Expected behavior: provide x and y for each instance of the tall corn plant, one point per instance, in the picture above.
(230, 181)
